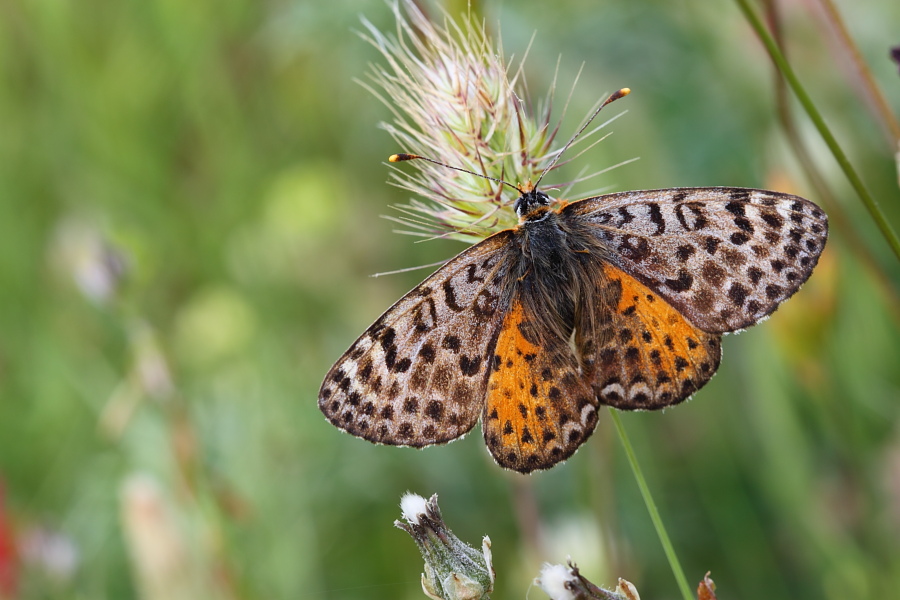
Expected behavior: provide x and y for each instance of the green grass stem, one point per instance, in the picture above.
(806, 102)
(651, 508)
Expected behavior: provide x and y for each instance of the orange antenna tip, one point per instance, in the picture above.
(401, 157)
(612, 98)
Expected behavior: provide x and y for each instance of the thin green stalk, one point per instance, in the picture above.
(806, 102)
(869, 87)
(837, 216)
(651, 508)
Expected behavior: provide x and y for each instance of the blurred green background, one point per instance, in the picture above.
(190, 196)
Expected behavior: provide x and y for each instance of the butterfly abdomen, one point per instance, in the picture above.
(553, 266)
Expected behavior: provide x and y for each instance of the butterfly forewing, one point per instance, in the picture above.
(723, 257)
(418, 375)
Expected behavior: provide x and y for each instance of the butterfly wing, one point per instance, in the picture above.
(723, 257)
(539, 409)
(638, 352)
(418, 375)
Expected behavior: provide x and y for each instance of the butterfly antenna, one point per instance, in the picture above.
(613, 97)
(403, 157)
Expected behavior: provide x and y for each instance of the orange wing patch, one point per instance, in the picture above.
(538, 409)
(650, 357)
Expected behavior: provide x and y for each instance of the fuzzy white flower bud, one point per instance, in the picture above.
(453, 569)
(564, 582)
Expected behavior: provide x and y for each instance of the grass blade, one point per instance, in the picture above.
(778, 58)
(651, 508)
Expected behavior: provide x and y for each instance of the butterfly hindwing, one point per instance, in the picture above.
(539, 409)
(642, 354)
(418, 375)
(723, 257)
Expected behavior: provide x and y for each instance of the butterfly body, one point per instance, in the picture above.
(618, 300)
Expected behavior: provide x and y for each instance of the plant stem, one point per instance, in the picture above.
(837, 216)
(651, 508)
(869, 87)
(778, 58)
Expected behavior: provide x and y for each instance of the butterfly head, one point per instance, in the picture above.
(528, 205)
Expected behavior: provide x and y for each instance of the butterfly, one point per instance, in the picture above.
(618, 300)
